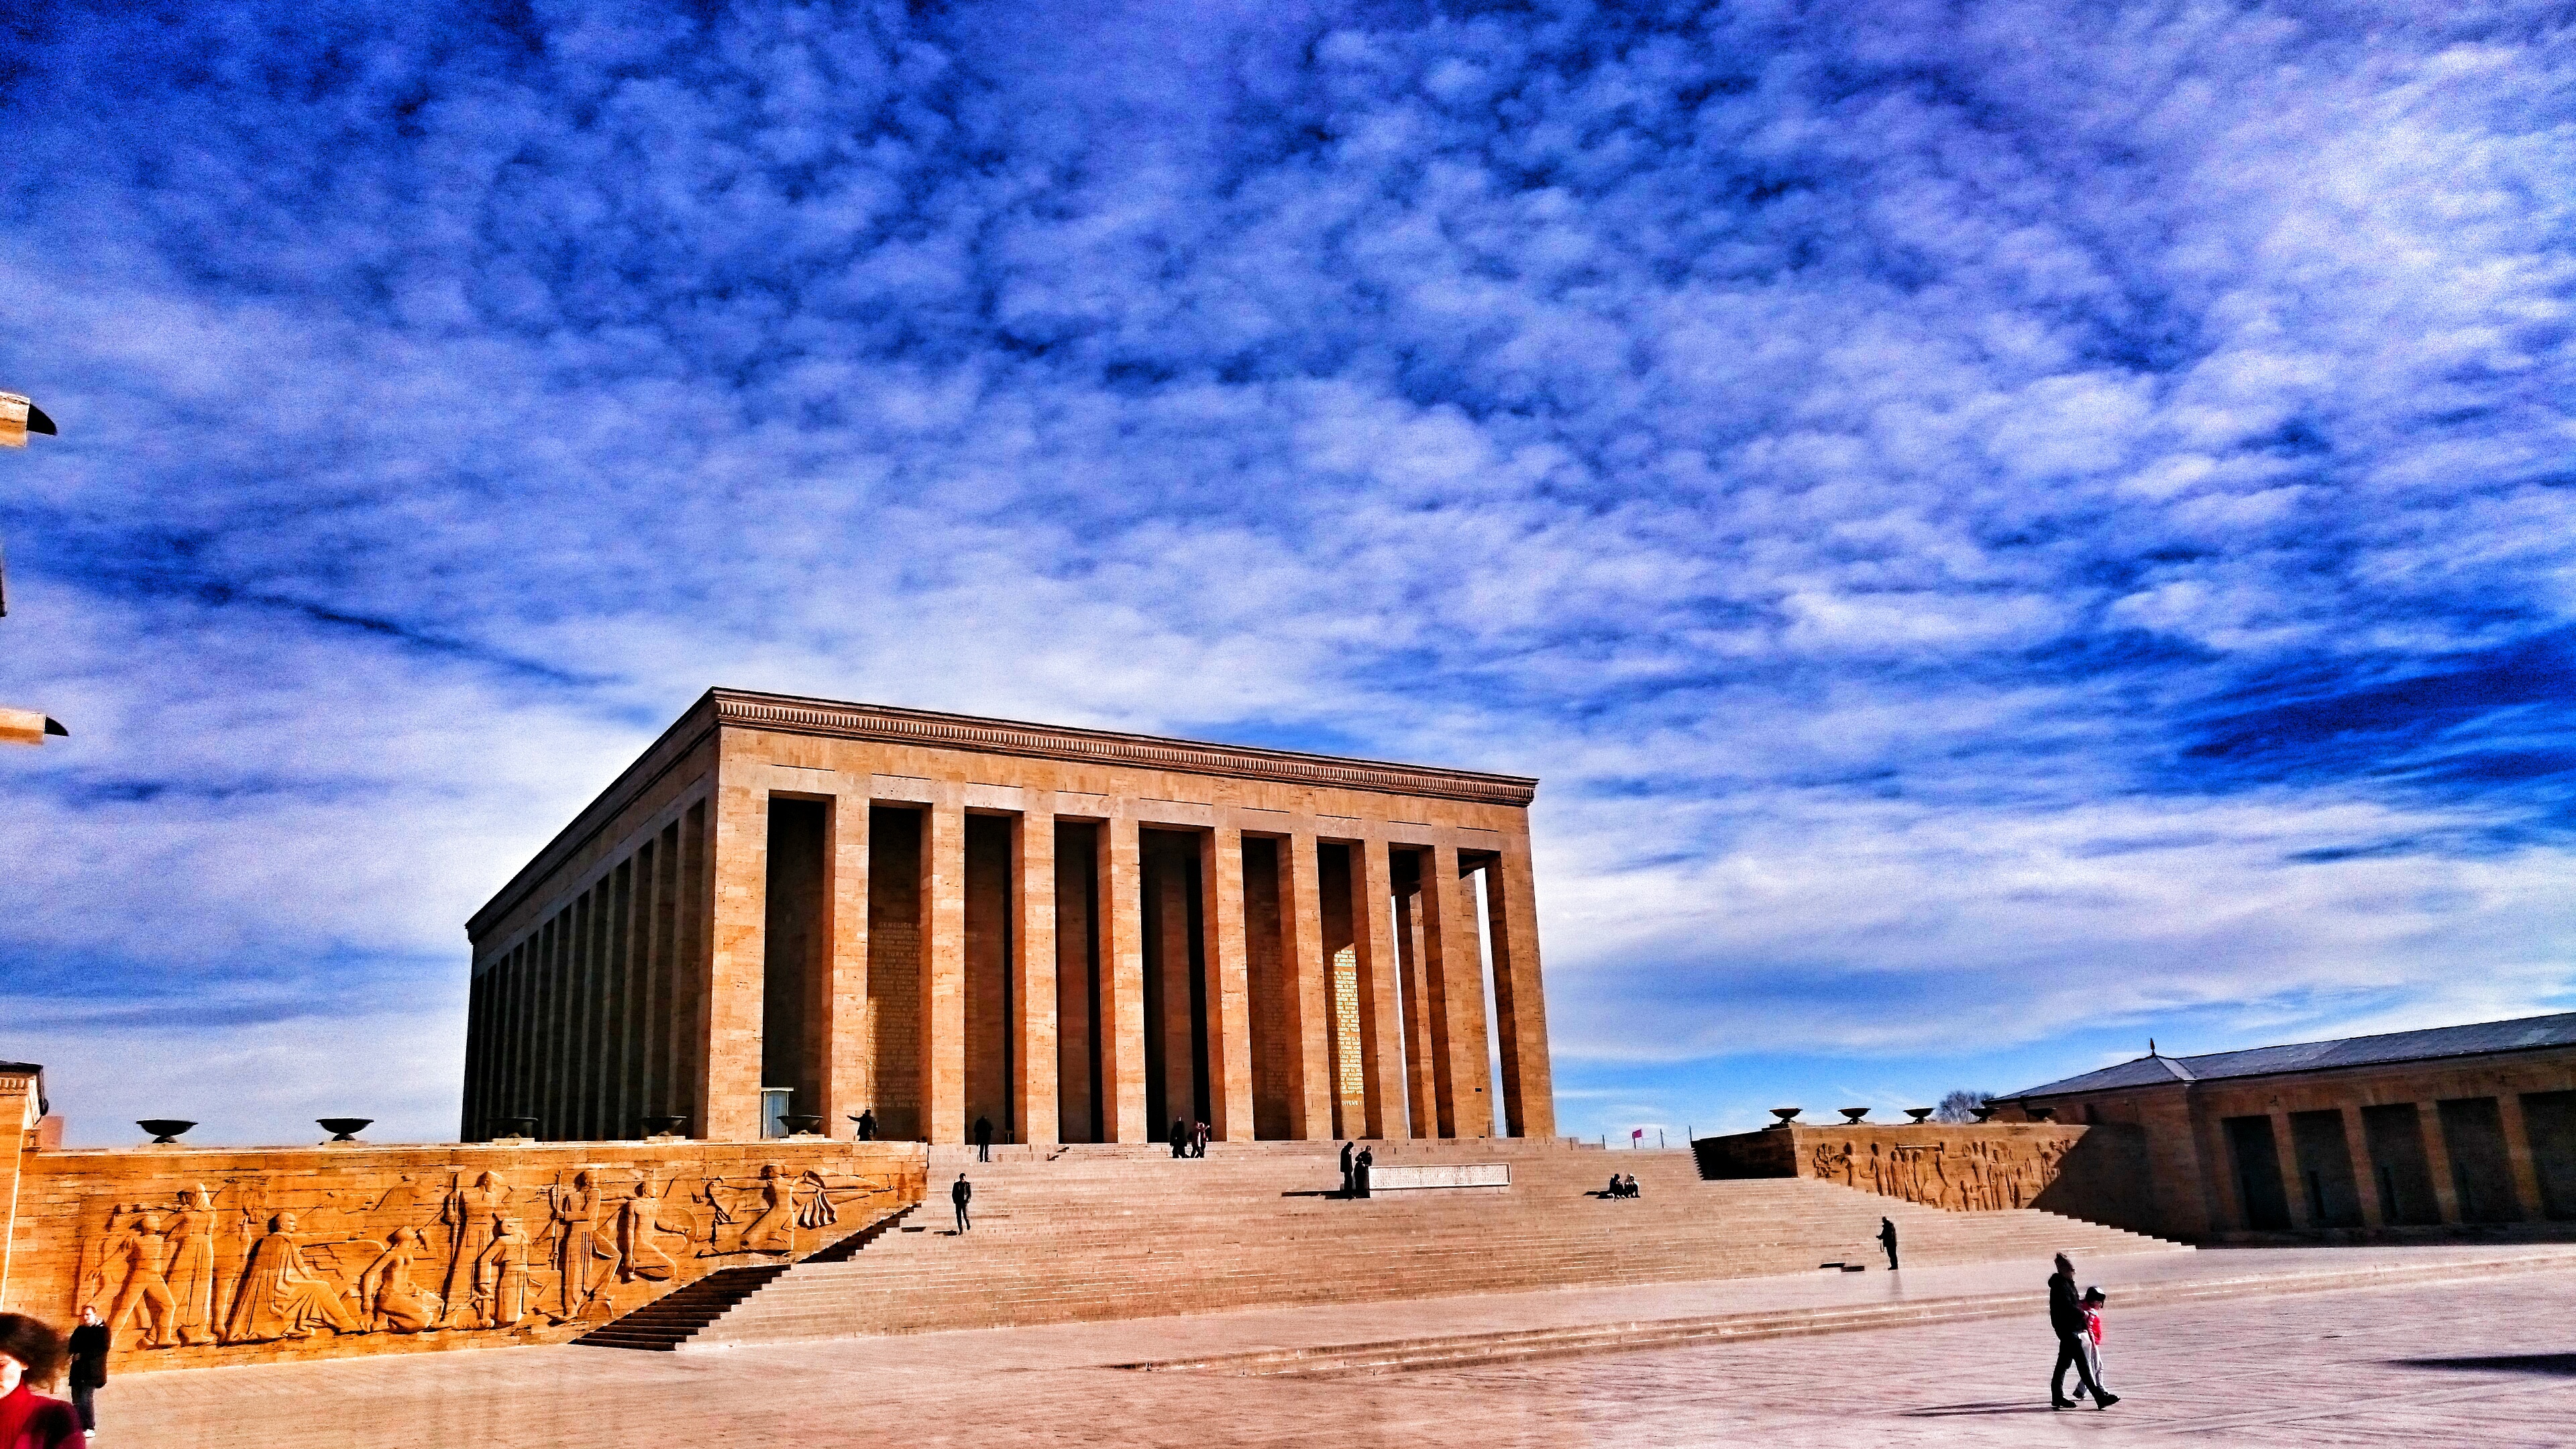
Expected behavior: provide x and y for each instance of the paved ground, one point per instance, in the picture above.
(2487, 1361)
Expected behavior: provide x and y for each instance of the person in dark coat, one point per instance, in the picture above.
(31, 1355)
(1180, 1137)
(1360, 1172)
(962, 1193)
(983, 1138)
(2066, 1319)
(867, 1120)
(1347, 1148)
(1887, 1240)
(89, 1366)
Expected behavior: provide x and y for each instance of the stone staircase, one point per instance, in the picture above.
(1088, 1233)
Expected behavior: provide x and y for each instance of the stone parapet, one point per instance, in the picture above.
(2096, 1172)
(201, 1257)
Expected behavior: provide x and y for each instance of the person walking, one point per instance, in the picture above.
(2066, 1318)
(983, 1138)
(1180, 1137)
(2093, 1301)
(1199, 1132)
(962, 1193)
(89, 1367)
(31, 1355)
(1360, 1172)
(867, 1120)
(1346, 1167)
(1887, 1240)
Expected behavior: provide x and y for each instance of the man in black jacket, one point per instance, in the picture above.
(983, 1139)
(1887, 1240)
(89, 1367)
(961, 1194)
(2066, 1316)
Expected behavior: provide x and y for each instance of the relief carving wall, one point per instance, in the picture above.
(208, 1257)
(2094, 1171)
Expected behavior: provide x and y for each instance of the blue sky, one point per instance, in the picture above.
(2005, 529)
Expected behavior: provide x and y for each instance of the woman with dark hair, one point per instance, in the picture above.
(32, 1353)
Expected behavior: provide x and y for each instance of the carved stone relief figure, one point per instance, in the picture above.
(640, 1254)
(282, 1295)
(386, 1296)
(145, 1255)
(772, 1228)
(469, 1213)
(501, 1276)
(192, 1270)
(581, 1252)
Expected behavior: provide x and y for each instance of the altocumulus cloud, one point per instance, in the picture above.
(2003, 528)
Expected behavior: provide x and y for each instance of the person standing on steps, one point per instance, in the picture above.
(1346, 1167)
(1360, 1172)
(962, 1193)
(1887, 1240)
(983, 1138)
(1199, 1139)
(2066, 1319)
(89, 1367)
(1180, 1137)
(867, 1120)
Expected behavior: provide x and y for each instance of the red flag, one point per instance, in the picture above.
(1637, 1134)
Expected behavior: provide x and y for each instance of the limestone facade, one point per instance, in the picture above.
(1076, 935)
(197, 1257)
(2453, 1125)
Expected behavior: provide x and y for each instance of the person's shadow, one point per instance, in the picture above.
(1983, 1407)
(2559, 1365)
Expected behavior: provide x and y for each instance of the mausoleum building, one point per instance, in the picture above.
(791, 911)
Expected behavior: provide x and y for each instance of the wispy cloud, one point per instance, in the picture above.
(1994, 526)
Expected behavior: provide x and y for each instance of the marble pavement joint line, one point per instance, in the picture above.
(1407, 1355)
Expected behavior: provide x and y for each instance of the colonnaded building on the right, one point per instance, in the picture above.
(2456, 1124)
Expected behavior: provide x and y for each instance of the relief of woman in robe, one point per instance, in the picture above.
(469, 1213)
(192, 1268)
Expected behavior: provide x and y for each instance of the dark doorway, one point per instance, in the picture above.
(1175, 981)
(1077, 983)
(2395, 1136)
(2258, 1173)
(2325, 1169)
(2473, 1130)
(2550, 1120)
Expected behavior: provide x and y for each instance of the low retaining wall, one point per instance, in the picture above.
(2096, 1172)
(1440, 1177)
(201, 1257)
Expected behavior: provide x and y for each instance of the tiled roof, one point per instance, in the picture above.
(2520, 1034)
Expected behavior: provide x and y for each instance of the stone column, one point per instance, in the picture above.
(2286, 1154)
(2365, 1176)
(1176, 983)
(943, 969)
(1457, 970)
(1309, 995)
(2517, 1155)
(1033, 958)
(1421, 1092)
(636, 1030)
(1229, 993)
(1122, 987)
(692, 970)
(2437, 1160)
(478, 1049)
(729, 1075)
(1511, 915)
(1381, 1014)
(849, 1025)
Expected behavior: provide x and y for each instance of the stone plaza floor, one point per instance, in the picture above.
(2488, 1359)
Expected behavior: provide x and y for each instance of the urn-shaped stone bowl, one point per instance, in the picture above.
(803, 1124)
(667, 1126)
(1852, 1115)
(510, 1126)
(1786, 1115)
(343, 1129)
(165, 1130)
(1919, 1114)
(1982, 1114)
